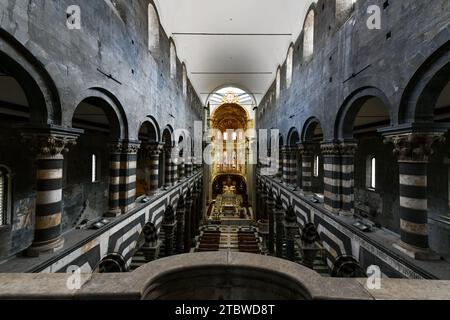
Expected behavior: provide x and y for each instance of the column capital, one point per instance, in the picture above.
(330, 149)
(120, 147)
(50, 142)
(152, 148)
(338, 148)
(415, 146)
(306, 148)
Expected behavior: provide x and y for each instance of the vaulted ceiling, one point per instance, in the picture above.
(233, 42)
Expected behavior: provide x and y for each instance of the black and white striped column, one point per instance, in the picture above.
(50, 161)
(332, 176)
(128, 175)
(413, 151)
(188, 166)
(181, 211)
(347, 151)
(279, 218)
(154, 150)
(174, 164)
(114, 179)
(271, 213)
(181, 169)
(168, 166)
(307, 154)
(289, 165)
(168, 224)
(187, 222)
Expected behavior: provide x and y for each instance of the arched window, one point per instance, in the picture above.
(289, 66)
(4, 195)
(94, 168)
(173, 61)
(316, 166)
(371, 174)
(308, 36)
(153, 29)
(278, 84)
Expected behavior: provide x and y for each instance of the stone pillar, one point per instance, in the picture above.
(154, 150)
(332, 176)
(50, 147)
(413, 151)
(279, 217)
(168, 166)
(181, 169)
(151, 247)
(169, 224)
(285, 161)
(128, 167)
(187, 223)
(188, 165)
(114, 179)
(181, 211)
(291, 227)
(270, 212)
(174, 164)
(307, 153)
(348, 151)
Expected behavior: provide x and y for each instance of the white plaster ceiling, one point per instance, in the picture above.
(227, 54)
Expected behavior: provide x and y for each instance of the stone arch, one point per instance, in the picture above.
(425, 86)
(346, 266)
(148, 131)
(112, 263)
(293, 137)
(352, 105)
(169, 215)
(153, 123)
(41, 91)
(168, 136)
(309, 129)
(110, 105)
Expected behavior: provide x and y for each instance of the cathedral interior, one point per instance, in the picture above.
(225, 150)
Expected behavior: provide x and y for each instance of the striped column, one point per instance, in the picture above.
(114, 179)
(413, 151)
(174, 164)
(332, 176)
(280, 164)
(181, 211)
(187, 223)
(153, 151)
(289, 155)
(291, 230)
(50, 160)
(307, 154)
(279, 217)
(169, 224)
(188, 166)
(348, 151)
(181, 169)
(127, 187)
(168, 166)
(271, 212)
